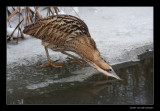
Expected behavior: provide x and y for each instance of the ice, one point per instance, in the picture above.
(118, 30)
(79, 76)
(120, 33)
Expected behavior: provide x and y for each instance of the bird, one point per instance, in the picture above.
(63, 33)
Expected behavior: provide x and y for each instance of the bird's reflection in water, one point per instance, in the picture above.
(76, 95)
(135, 88)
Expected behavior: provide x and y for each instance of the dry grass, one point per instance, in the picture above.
(28, 18)
(10, 15)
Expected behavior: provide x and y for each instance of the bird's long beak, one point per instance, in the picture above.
(113, 74)
(110, 73)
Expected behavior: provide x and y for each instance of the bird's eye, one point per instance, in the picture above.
(108, 70)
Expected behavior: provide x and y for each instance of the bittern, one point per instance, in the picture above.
(68, 33)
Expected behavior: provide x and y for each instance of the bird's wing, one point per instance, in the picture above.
(57, 29)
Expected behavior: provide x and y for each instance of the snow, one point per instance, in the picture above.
(120, 33)
(10, 30)
(117, 31)
(32, 8)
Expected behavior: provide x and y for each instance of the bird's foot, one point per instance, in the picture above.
(79, 61)
(52, 64)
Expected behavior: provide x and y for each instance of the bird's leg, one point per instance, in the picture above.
(75, 59)
(49, 61)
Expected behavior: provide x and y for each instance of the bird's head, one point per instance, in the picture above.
(89, 52)
(103, 67)
(108, 71)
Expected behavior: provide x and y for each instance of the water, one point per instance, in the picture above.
(35, 85)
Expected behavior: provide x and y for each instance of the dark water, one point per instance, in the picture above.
(135, 88)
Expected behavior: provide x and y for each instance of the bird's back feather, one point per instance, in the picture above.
(57, 29)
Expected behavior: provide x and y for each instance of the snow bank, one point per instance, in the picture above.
(117, 31)
(120, 33)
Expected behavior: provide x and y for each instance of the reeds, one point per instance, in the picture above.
(27, 18)
(10, 15)
(28, 15)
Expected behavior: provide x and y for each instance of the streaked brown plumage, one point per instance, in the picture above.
(69, 33)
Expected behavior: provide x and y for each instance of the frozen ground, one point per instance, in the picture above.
(116, 31)
(120, 33)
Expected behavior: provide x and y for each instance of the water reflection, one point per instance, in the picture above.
(135, 88)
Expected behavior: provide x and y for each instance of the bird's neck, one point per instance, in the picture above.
(93, 56)
(99, 61)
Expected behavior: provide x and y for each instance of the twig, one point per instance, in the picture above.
(21, 33)
(12, 14)
(37, 13)
(56, 10)
(9, 13)
(47, 11)
(30, 16)
(16, 27)
(75, 12)
(53, 10)
(14, 37)
(22, 17)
